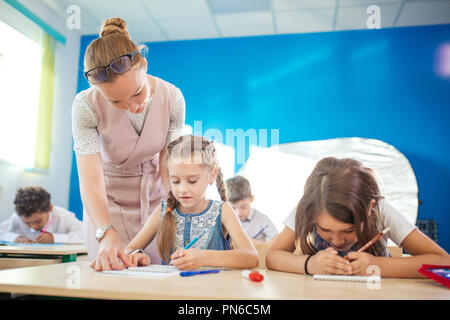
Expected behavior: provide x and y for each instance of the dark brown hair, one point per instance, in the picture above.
(344, 188)
(184, 147)
(32, 200)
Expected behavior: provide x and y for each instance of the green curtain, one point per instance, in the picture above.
(44, 127)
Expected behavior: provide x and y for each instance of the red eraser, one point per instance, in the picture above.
(256, 276)
(252, 275)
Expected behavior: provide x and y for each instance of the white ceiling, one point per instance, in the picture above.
(168, 20)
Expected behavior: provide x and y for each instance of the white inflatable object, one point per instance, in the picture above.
(278, 174)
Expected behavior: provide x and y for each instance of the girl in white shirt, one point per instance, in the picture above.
(340, 211)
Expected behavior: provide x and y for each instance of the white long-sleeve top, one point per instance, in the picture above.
(65, 227)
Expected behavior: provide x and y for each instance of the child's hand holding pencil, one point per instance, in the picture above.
(179, 253)
(45, 237)
(189, 259)
(360, 260)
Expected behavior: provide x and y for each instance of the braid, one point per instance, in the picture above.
(210, 158)
(221, 185)
(166, 237)
(172, 202)
(171, 146)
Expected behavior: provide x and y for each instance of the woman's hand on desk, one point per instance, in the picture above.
(328, 262)
(188, 259)
(110, 255)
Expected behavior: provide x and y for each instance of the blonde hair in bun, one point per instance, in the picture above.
(114, 42)
(113, 25)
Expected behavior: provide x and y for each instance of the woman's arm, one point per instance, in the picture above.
(93, 195)
(147, 233)
(92, 189)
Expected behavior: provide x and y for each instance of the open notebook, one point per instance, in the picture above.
(156, 271)
(150, 271)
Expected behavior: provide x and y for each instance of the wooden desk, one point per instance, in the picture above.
(52, 280)
(24, 256)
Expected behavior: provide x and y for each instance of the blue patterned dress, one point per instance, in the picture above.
(321, 244)
(191, 225)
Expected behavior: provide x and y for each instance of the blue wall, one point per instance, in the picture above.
(377, 84)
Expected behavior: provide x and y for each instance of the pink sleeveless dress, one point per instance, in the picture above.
(131, 164)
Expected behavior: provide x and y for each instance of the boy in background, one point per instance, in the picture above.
(257, 225)
(36, 220)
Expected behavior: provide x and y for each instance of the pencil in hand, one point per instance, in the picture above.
(373, 240)
(190, 244)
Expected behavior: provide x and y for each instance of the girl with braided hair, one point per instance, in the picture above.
(186, 214)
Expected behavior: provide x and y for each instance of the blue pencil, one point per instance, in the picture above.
(193, 273)
(190, 244)
(260, 231)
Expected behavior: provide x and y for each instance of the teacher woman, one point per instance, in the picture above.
(120, 126)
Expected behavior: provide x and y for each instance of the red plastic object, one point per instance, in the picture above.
(427, 270)
(256, 276)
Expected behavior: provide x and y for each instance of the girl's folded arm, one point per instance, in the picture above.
(280, 256)
(245, 255)
(422, 249)
(147, 233)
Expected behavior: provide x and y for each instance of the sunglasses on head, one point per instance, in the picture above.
(118, 65)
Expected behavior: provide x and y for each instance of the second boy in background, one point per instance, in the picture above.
(256, 224)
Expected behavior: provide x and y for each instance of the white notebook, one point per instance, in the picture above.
(161, 268)
(347, 278)
(151, 271)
